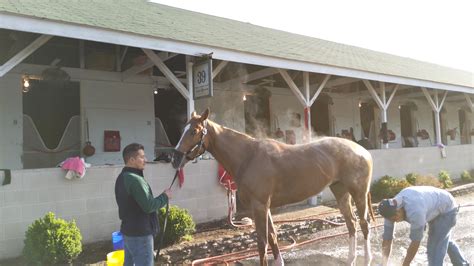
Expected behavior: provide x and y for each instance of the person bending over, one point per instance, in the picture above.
(419, 205)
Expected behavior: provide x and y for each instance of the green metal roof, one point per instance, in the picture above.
(156, 20)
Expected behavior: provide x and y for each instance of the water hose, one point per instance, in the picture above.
(245, 254)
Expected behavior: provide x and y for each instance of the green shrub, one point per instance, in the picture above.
(411, 178)
(467, 177)
(445, 179)
(387, 187)
(180, 224)
(51, 240)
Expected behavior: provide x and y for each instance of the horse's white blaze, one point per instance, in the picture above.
(186, 128)
(352, 250)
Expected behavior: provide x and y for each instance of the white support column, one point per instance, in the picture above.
(189, 76)
(373, 93)
(469, 102)
(383, 103)
(293, 87)
(305, 100)
(307, 109)
(437, 107)
(320, 88)
(28, 50)
(384, 109)
(167, 72)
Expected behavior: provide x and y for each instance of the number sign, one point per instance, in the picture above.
(202, 79)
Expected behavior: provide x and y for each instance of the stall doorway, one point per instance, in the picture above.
(257, 113)
(51, 123)
(464, 127)
(407, 124)
(170, 110)
(320, 118)
(367, 122)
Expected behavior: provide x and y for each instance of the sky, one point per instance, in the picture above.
(440, 32)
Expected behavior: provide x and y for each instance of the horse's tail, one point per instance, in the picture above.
(369, 204)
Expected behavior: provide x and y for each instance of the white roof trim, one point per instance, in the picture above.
(43, 26)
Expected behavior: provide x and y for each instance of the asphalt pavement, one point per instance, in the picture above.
(334, 251)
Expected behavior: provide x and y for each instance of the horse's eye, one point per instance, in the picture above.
(194, 132)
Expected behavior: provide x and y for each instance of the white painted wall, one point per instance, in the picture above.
(11, 121)
(114, 105)
(106, 101)
(282, 106)
(91, 202)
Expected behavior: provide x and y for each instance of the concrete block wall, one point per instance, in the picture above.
(421, 160)
(91, 202)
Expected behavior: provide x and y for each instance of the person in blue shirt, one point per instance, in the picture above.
(421, 205)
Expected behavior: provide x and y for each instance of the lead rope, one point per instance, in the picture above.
(157, 255)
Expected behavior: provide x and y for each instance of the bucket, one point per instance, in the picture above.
(117, 240)
(115, 258)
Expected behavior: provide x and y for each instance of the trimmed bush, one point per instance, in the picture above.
(466, 177)
(445, 179)
(50, 240)
(180, 224)
(411, 178)
(387, 187)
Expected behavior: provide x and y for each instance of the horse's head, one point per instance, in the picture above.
(191, 143)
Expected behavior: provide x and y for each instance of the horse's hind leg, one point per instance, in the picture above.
(361, 203)
(273, 241)
(344, 202)
(260, 215)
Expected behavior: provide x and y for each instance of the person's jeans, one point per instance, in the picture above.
(138, 250)
(439, 241)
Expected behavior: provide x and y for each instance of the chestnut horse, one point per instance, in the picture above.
(271, 174)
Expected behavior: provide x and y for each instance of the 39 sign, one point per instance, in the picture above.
(202, 79)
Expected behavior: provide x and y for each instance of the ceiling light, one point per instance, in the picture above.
(26, 83)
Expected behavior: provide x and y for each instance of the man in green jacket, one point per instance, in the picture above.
(137, 208)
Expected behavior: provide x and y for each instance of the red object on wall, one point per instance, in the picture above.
(225, 178)
(111, 140)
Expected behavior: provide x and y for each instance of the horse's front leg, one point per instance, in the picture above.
(260, 214)
(273, 241)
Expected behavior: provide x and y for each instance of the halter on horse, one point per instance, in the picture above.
(271, 174)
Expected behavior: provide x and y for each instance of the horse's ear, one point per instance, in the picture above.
(205, 114)
(193, 114)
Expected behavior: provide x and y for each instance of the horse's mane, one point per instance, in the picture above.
(233, 131)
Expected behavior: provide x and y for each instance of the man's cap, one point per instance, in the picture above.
(387, 208)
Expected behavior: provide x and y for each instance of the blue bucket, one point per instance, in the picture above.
(117, 240)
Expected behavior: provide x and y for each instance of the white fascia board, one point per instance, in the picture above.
(43, 26)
